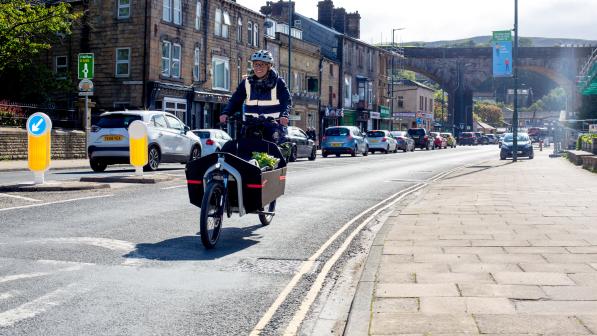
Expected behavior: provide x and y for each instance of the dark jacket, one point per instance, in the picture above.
(261, 90)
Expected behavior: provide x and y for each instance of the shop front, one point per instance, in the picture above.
(349, 118)
(386, 120)
(375, 121)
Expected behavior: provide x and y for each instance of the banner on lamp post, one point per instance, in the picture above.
(502, 53)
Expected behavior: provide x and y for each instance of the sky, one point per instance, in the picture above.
(435, 20)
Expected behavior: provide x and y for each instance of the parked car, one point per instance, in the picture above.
(449, 138)
(343, 140)
(492, 139)
(481, 138)
(403, 141)
(421, 137)
(212, 140)
(168, 139)
(467, 138)
(302, 145)
(438, 141)
(524, 146)
(381, 141)
(500, 140)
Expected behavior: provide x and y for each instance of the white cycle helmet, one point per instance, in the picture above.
(263, 56)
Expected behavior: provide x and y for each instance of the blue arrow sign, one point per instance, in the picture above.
(37, 125)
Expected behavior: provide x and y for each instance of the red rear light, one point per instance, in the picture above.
(384, 139)
(349, 137)
(426, 137)
(209, 142)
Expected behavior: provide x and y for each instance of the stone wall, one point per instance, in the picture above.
(65, 144)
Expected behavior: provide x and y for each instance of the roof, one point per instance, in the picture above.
(408, 82)
(485, 126)
(317, 23)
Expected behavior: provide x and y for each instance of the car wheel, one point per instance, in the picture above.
(412, 149)
(313, 155)
(354, 151)
(531, 156)
(387, 150)
(195, 153)
(502, 157)
(97, 166)
(293, 154)
(427, 148)
(324, 154)
(338, 155)
(366, 152)
(153, 159)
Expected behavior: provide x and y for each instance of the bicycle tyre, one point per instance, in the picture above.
(212, 214)
(267, 219)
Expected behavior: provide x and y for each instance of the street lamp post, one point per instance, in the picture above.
(392, 78)
(515, 69)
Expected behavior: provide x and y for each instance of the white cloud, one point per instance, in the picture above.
(432, 20)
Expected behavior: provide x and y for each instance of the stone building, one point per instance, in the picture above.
(413, 105)
(181, 56)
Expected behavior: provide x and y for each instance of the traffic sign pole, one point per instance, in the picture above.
(39, 142)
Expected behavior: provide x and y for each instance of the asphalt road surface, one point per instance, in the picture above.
(128, 260)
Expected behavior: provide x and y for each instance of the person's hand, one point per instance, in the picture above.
(223, 119)
(283, 121)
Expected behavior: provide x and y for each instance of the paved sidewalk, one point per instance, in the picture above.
(18, 165)
(497, 249)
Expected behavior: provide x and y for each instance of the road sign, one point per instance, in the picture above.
(39, 128)
(419, 121)
(138, 145)
(86, 85)
(86, 66)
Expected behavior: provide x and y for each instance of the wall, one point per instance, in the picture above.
(65, 144)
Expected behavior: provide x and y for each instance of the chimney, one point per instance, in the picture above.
(277, 10)
(340, 20)
(325, 13)
(353, 25)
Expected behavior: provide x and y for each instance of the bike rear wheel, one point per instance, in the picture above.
(212, 213)
(266, 219)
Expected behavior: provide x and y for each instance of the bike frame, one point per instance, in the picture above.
(226, 170)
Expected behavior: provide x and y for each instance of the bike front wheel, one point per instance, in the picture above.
(266, 219)
(212, 214)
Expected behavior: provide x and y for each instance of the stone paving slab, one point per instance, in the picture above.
(53, 186)
(492, 260)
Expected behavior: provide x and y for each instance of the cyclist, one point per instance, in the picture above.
(264, 93)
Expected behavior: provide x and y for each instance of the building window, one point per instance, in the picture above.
(198, 15)
(421, 103)
(176, 106)
(312, 85)
(196, 64)
(124, 9)
(256, 35)
(171, 59)
(331, 70)
(239, 70)
(250, 33)
(400, 101)
(123, 62)
(61, 66)
(271, 30)
(347, 91)
(222, 23)
(370, 60)
(239, 30)
(176, 52)
(220, 79)
(362, 88)
(172, 11)
(370, 93)
(425, 104)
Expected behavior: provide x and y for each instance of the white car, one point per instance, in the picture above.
(168, 139)
(212, 140)
(382, 141)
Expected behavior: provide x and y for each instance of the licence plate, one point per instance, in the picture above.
(112, 137)
(336, 144)
(374, 141)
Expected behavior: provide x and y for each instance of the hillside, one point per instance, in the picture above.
(478, 41)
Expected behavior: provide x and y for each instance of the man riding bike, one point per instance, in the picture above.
(264, 94)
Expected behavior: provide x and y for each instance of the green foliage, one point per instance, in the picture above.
(265, 160)
(30, 26)
(33, 84)
(555, 100)
(585, 138)
(437, 106)
(488, 112)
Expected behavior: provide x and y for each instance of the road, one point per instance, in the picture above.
(128, 260)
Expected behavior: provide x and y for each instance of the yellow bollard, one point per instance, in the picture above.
(39, 142)
(138, 145)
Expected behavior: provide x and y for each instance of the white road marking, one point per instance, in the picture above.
(20, 197)
(174, 187)
(22, 276)
(41, 304)
(9, 294)
(110, 244)
(56, 202)
(306, 266)
(299, 316)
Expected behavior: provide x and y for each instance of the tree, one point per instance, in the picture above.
(30, 26)
(488, 112)
(555, 100)
(438, 113)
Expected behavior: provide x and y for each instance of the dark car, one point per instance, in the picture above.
(467, 138)
(421, 137)
(403, 141)
(481, 138)
(302, 146)
(524, 146)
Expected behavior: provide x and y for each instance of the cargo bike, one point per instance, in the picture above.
(227, 182)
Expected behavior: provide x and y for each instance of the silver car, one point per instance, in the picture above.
(168, 139)
(212, 140)
(382, 141)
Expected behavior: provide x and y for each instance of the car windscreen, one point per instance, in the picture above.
(520, 137)
(337, 132)
(466, 135)
(416, 132)
(117, 120)
(376, 134)
(202, 134)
